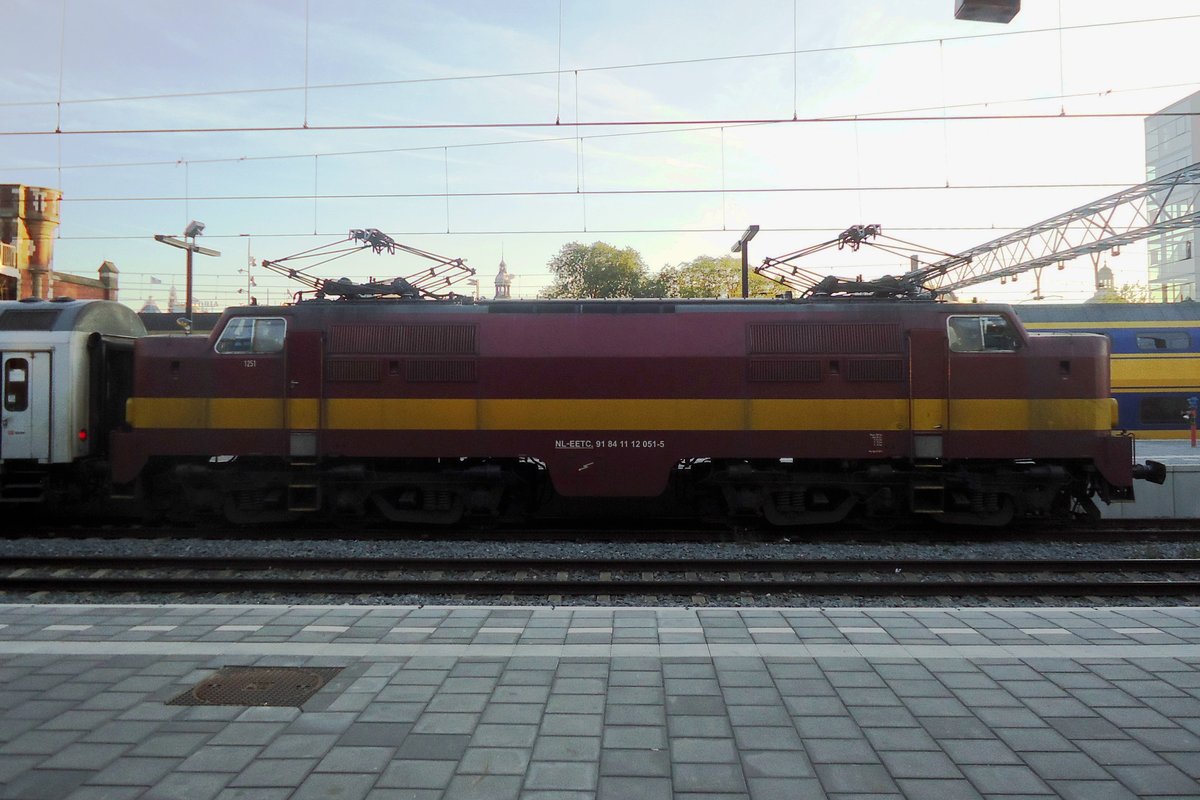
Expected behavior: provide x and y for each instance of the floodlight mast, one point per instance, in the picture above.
(424, 284)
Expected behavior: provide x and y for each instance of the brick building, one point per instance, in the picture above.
(28, 217)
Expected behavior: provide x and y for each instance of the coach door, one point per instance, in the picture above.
(25, 419)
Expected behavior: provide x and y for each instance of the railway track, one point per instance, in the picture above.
(561, 577)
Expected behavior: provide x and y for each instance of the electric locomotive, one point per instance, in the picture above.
(793, 412)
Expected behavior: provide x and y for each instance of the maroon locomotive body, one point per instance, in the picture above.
(793, 412)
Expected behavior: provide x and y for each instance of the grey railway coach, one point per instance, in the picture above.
(65, 372)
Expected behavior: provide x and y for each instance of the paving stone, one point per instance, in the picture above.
(635, 737)
(1156, 779)
(483, 787)
(977, 751)
(999, 779)
(1092, 790)
(289, 745)
(504, 735)
(374, 734)
(899, 739)
(343, 787)
(699, 727)
(703, 751)
(708, 778)
(46, 784)
(417, 774)
(92, 756)
(493, 761)
(436, 747)
(561, 775)
(612, 787)
(135, 771)
(1065, 766)
(860, 778)
(776, 764)
(180, 786)
(567, 748)
(642, 762)
(223, 758)
(278, 772)
(938, 789)
(355, 759)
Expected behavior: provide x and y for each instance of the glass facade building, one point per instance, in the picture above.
(1172, 143)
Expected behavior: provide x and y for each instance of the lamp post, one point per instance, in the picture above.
(742, 246)
(193, 230)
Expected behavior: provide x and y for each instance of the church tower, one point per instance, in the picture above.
(503, 282)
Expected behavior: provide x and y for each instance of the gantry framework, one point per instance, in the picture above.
(1155, 207)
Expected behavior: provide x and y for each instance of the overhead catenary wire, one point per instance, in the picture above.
(553, 139)
(602, 68)
(623, 123)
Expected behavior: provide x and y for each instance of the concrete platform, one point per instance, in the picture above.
(480, 702)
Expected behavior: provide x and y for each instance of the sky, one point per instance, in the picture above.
(482, 130)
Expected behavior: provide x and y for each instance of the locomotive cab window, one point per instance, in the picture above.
(1163, 340)
(981, 334)
(253, 335)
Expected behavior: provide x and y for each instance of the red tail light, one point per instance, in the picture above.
(83, 434)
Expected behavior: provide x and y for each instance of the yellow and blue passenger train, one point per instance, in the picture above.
(1155, 357)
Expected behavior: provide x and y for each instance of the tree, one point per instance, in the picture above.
(599, 270)
(1127, 293)
(706, 276)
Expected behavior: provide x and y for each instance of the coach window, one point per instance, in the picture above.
(253, 335)
(981, 334)
(1163, 340)
(16, 384)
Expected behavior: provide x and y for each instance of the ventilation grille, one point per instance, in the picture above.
(410, 339)
(874, 369)
(440, 371)
(779, 370)
(788, 337)
(357, 370)
(439, 339)
(365, 338)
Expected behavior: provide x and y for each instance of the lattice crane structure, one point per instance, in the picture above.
(1164, 204)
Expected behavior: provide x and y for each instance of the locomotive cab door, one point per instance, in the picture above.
(304, 394)
(25, 410)
(928, 394)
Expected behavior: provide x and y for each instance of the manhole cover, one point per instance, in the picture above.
(257, 686)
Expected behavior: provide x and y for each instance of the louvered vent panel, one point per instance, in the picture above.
(853, 337)
(440, 371)
(365, 338)
(781, 370)
(439, 340)
(874, 369)
(353, 370)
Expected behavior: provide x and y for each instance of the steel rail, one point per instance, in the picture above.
(861, 577)
(392, 564)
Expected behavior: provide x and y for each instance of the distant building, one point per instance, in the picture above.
(1172, 143)
(29, 216)
(503, 282)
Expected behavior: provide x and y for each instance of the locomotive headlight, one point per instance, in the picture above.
(1113, 412)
